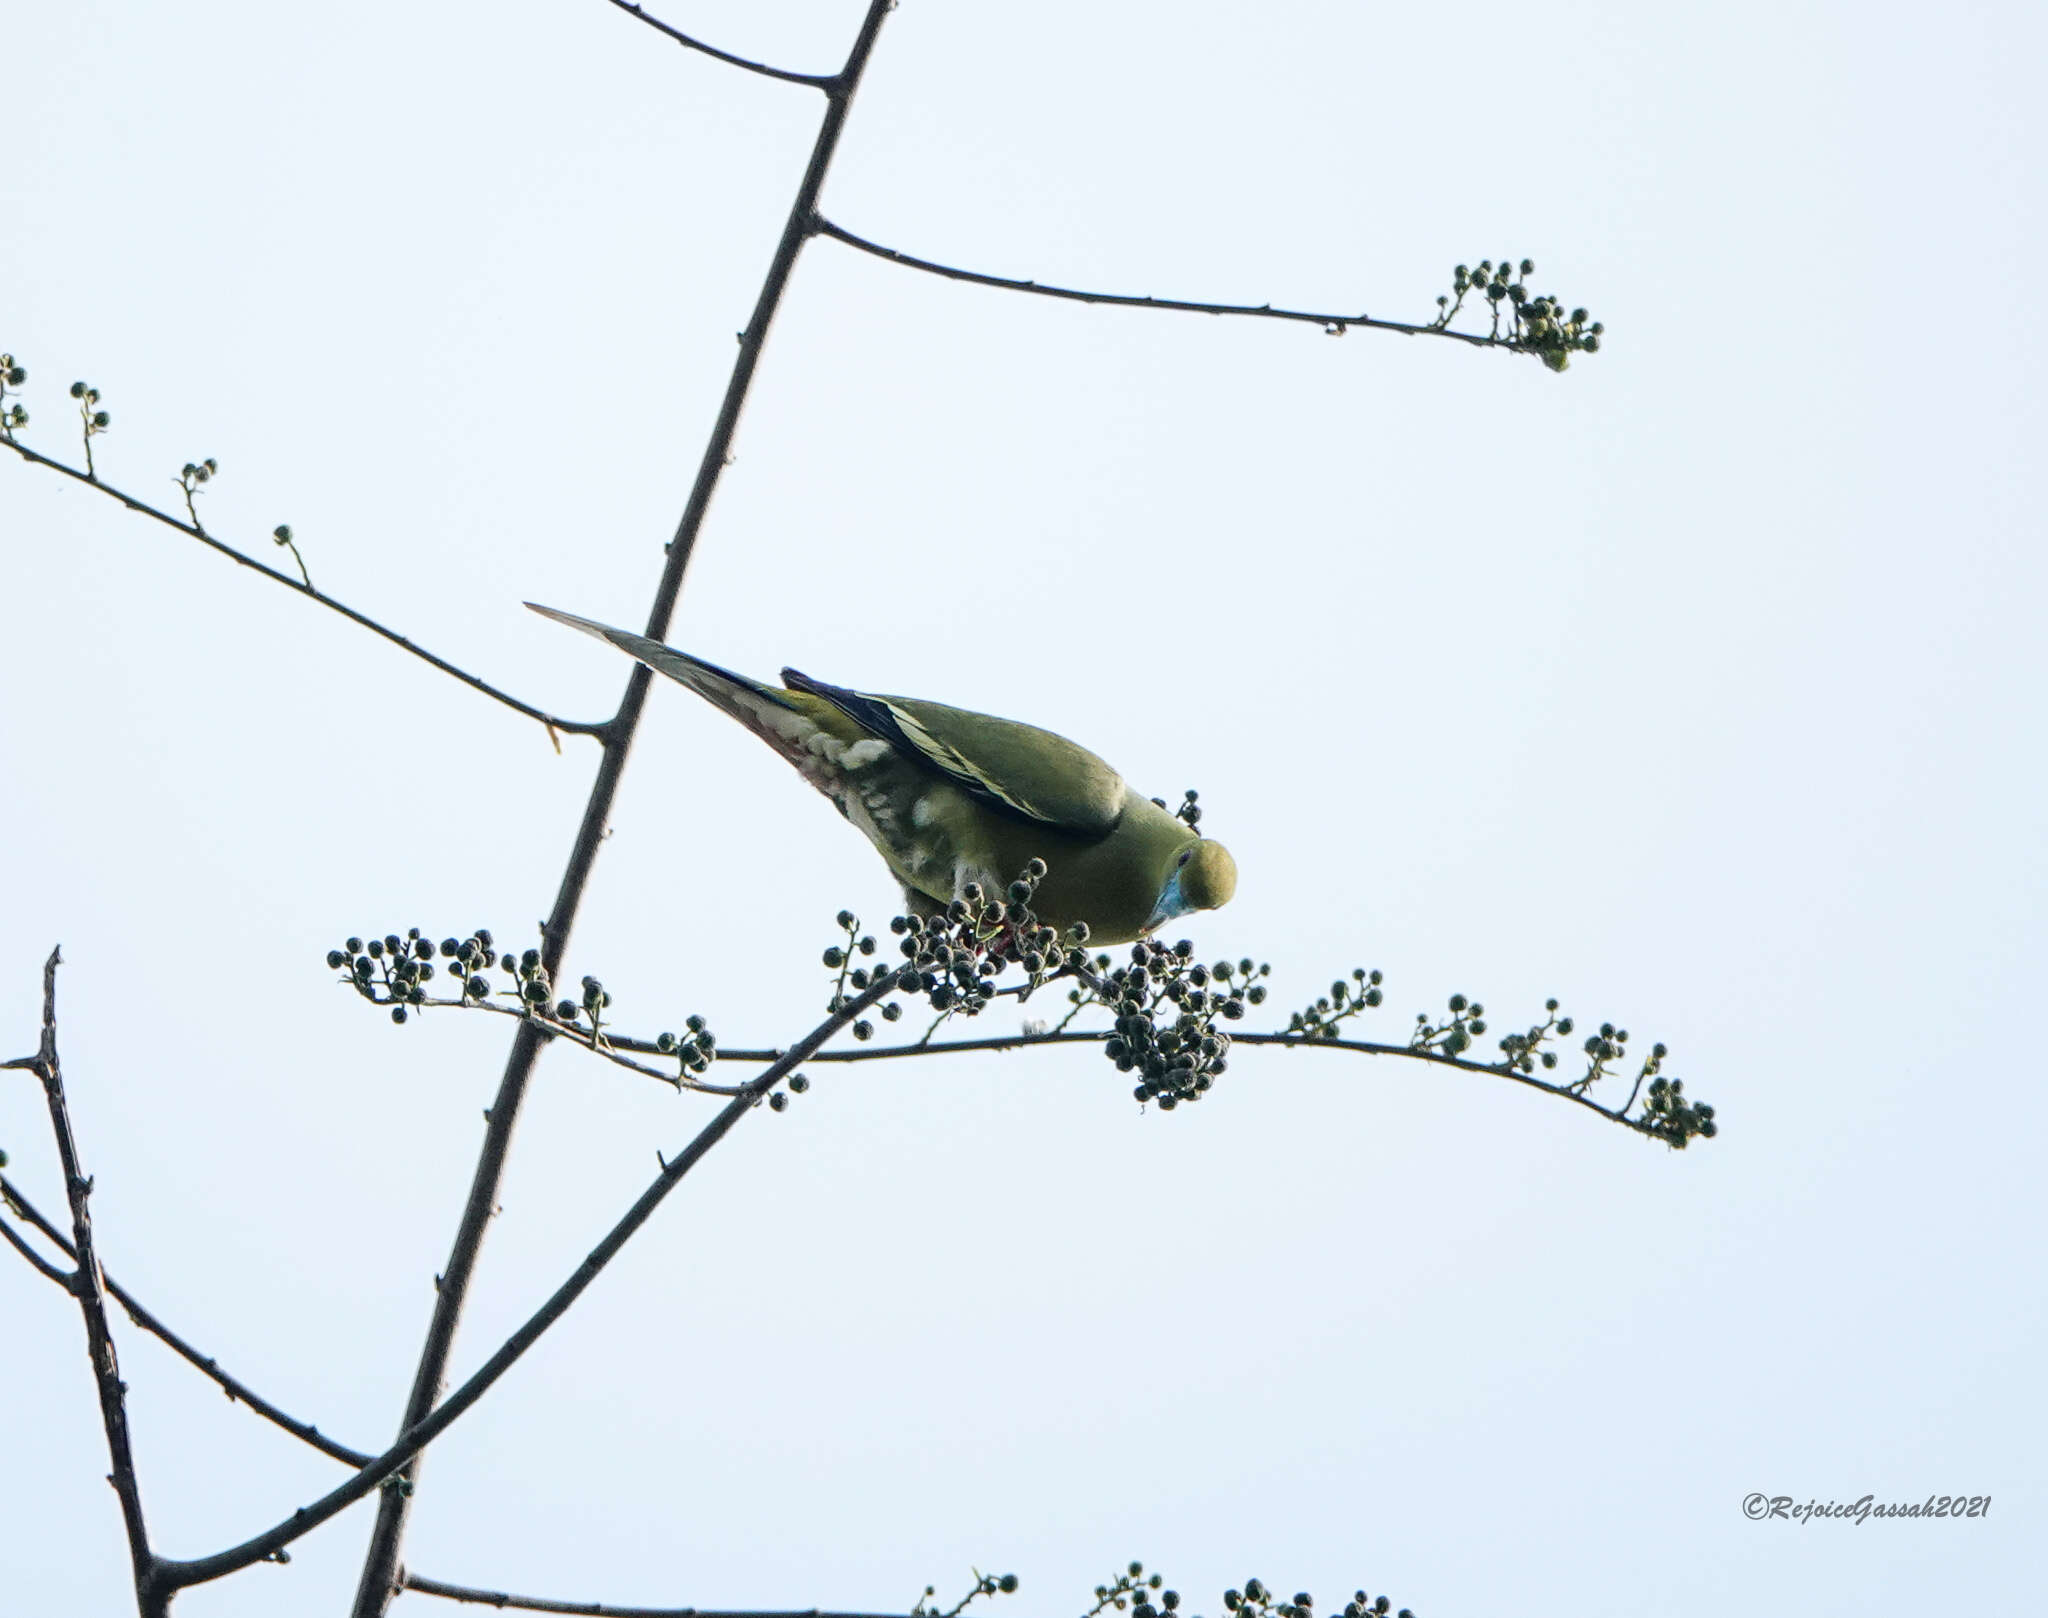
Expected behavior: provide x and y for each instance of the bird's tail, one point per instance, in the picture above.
(731, 693)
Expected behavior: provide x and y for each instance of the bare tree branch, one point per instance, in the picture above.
(817, 81)
(380, 1564)
(87, 1286)
(1018, 1042)
(619, 1049)
(192, 530)
(43, 1266)
(234, 1387)
(599, 1609)
(266, 1545)
(611, 1050)
(1335, 325)
(428, 1413)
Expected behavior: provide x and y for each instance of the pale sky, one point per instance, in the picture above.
(1700, 687)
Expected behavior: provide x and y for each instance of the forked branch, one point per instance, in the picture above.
(232, 1386)
(266, 1545)
(88, 1287)
(379, 1577)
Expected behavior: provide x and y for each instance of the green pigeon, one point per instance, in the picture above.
(950, 797)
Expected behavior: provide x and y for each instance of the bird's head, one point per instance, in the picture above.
(1203, 876)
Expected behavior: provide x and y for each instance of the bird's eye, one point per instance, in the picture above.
(1186, 855)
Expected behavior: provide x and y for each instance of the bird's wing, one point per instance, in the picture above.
(1016, 768)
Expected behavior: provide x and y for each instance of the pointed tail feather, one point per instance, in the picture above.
(722, 688)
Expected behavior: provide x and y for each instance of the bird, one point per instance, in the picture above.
(951, 798)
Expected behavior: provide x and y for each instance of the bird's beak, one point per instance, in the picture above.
(1170, 905)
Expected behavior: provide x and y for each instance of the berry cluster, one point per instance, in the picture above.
(1134, 1588)
(956, 954)
(1256, 1601)
(841, 958)
(1609, 1045)
(1535, 324)
(393, 971)
(1166, 1005)
(779, 1102)
(11, 377)
(1673, 1119)
(694, 1051)
(1166, 1009)
(1524, 1051)
(1344, 1001)
(1188, 810)
(388, 971)
(1143, 1594)
(192, 477)
(985, 1584)
(1454, 1036)
(95, 419)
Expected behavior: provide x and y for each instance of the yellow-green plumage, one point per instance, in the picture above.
(949, 797)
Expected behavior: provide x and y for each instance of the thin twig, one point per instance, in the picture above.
(574, 727)
(1336, 325)
(1018, 1042)
(284, 538)
(601, 1609)
(817, 81)
(49, 1271)
(614, 1048)
(87, 1287)
(232, 1386)
(182, 1575)
(379, 1578)
(610, 1049)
